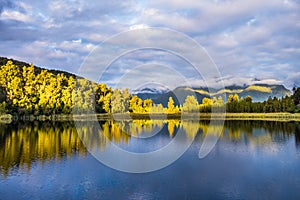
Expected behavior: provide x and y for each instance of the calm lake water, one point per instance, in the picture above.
(251, 160)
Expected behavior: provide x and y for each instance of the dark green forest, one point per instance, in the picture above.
(28, 90)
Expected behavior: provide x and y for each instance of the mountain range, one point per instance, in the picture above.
(150, 92)
(258, 92)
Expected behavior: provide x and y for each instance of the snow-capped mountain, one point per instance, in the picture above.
(151, 90)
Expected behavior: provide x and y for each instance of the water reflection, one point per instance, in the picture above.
(24, 143)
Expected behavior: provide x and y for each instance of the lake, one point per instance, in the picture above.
(56, 160)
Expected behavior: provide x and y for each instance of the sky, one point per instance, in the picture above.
(249, 41)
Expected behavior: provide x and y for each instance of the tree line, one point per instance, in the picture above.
(235, 104)
(271, 105)
(26, 91)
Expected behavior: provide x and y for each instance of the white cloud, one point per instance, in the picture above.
(138, 26)
(24, 6)
(246, 39)
(15, 15)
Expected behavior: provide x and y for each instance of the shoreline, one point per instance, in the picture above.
(7, 118)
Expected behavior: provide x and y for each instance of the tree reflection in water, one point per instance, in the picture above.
(24, 143)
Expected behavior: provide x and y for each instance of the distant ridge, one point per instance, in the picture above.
(258, 92)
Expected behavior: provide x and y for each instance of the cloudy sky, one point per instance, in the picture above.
(248, 40)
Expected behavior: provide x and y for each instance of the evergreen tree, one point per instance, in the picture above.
(296, 98)
(170, 107)
(248, 104)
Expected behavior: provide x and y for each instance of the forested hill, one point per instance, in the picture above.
(37, 69)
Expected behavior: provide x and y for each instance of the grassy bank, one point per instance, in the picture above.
(218, 116)
(253, 116)
(129, 116)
